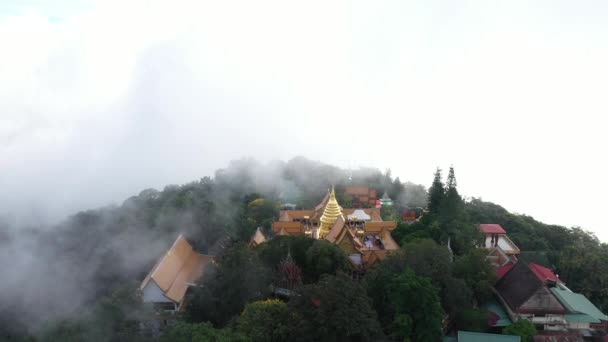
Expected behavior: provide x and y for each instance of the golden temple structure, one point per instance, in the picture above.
(361, 233)
(331, 213)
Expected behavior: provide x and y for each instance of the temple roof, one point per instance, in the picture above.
(180, 266)
(335, 230)
(288, 215)
(491, 229)
(257, 238)
(359, 214)
(359, 190)
(387, 240)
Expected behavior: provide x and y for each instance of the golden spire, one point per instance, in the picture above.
(330, 214)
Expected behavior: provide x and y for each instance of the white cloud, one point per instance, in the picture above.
(122, 95)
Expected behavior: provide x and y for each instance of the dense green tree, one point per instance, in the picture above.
(477, 272)
(65, 330)
(274, 251)
(235, 279)
(201, 332)
(334, 309)
(471, 319)
(258, 211)
(428, 259)
(112, 318)
(410, 232)
(266, 320)
(401, 317)
(436, 194)
(118, 244)
(324, 257)
(416, 306)
(522, 328)
(591, 261)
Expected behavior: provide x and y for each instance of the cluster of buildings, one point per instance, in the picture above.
(533, 292)
(360, 232)
(523, 290)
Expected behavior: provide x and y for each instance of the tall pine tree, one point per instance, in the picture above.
(453, 204)
(453, 219)
(436, 194)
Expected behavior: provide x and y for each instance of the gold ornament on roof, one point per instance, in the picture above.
(330, 214)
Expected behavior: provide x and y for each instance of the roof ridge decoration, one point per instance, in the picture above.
(331, 213)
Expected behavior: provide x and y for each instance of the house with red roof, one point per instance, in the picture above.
(496, 236)
(501, 250)
(533, 292)
(524, 294)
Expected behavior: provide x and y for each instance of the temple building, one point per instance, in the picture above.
(361, 196)
(501, 250)
(168, 281)
(361, 233)
(257, 238)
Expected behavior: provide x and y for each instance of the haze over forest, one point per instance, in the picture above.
(511, 94)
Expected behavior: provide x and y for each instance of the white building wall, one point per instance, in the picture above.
(488, 243)
(153, 294)
(578, 325)
(503, 243)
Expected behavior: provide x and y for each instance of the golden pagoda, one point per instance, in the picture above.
(360, 232)
(331, 213)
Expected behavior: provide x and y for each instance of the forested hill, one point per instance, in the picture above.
(78, 278)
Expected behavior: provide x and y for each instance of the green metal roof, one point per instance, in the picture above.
(496, 308)
(581, 318)
(577, 303)
(468, 336)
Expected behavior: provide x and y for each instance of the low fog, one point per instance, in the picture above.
(100, 100)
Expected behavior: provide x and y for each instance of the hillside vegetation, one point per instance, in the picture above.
(78, 280)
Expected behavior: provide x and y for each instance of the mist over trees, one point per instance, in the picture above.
(77, 280)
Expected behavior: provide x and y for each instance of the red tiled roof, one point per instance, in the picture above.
(492, 229)
(502, 270)
(543, 273)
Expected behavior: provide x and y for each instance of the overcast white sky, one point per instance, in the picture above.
(101, 99)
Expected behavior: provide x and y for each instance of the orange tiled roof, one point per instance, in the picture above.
(335, 230)
(178, 267)
(257, 238)
(357, 190)
(288, 215)
(387, 240)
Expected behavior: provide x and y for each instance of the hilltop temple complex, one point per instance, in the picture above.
(361, 233)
